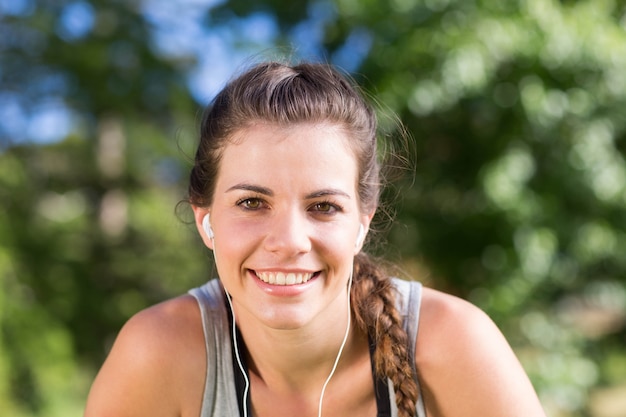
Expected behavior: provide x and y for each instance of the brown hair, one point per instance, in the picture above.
(281, 94)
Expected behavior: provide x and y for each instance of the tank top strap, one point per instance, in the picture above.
(220, 396)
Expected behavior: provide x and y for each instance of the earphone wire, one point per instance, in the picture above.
(332, 372)
(343, 344)
(244, 401)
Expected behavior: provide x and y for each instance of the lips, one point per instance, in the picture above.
(284, 278)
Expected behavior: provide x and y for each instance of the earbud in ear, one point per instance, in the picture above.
(360, 236)
(206, 225)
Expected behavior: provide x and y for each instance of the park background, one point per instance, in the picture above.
(516, 200)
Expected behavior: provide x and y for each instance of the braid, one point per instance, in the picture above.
(375, 313)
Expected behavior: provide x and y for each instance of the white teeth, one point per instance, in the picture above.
(281, 278)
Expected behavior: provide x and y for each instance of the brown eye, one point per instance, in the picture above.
(325, 207)
(251, 203)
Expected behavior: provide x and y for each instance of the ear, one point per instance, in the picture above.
(366, 219)
(199, 213)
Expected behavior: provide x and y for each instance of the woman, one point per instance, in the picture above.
(301, 322)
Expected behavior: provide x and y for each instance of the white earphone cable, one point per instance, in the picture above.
(332, 372)
(343, 344)
(244, 401)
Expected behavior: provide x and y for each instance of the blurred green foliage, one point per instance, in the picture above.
(517, 202)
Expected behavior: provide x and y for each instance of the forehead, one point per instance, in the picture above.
(313, 151)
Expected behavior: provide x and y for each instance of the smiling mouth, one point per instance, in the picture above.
(285, 278)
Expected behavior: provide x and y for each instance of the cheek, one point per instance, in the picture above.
(237, 240)
(233, 242)
(336, 244)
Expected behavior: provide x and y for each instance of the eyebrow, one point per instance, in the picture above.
(251, 187)
(266, 191)
(327, 192)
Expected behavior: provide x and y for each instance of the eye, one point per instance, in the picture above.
(326, 207)
(250, 203)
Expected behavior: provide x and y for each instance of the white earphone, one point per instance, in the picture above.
(359, 237)
(206, 225)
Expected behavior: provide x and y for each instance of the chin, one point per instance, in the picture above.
(284, 318)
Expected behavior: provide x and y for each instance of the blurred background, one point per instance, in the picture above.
(517, 201)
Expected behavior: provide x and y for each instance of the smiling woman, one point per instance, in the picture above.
(271, 223)
(300, 321)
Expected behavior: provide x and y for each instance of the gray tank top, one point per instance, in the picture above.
(220, 395)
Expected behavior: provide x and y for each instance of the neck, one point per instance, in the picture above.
(298, 359)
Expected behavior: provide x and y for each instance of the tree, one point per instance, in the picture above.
(88, 229)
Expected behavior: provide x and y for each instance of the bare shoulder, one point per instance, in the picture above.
(156, 366)
(466, 366)
(445, 317)
(452, 329)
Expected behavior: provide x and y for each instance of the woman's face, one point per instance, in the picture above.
(285, 217)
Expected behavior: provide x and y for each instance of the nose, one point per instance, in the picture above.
(288, 234)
